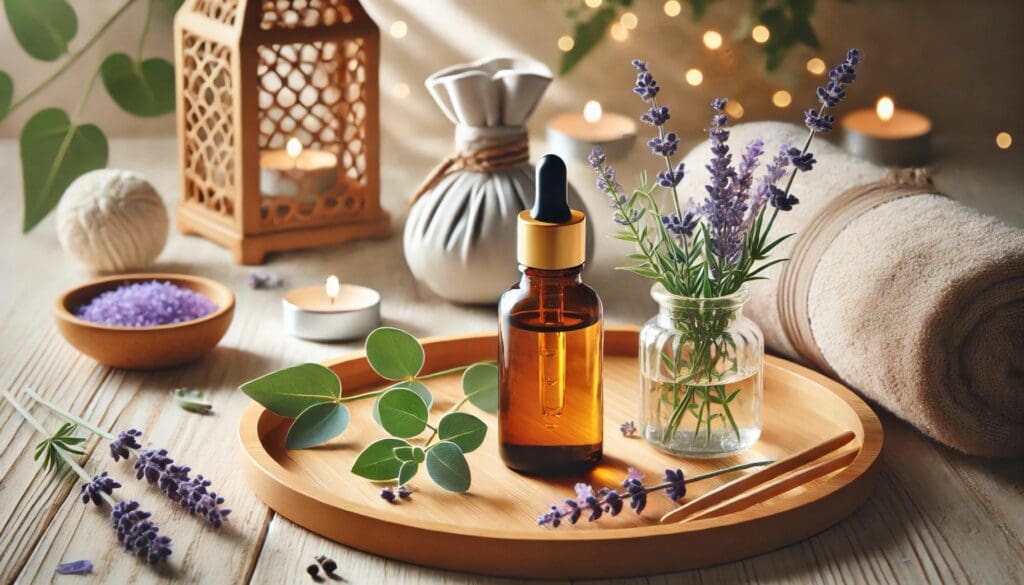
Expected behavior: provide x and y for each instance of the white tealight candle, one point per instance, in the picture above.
(574, 135)
(297, 171)
(888, 135)
(334, 311)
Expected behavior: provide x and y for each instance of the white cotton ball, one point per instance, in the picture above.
(112, 221)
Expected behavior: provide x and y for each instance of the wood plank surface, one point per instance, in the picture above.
(935, 516)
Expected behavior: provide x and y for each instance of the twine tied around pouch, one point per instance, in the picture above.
(484, 155)
(794, 283)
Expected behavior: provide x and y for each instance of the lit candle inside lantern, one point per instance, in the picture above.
(888, 135)
(297, 171)
(574, 135)
(333, 311)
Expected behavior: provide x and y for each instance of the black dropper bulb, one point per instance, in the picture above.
(552, 204)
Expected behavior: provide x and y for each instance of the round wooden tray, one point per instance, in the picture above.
(492, 529)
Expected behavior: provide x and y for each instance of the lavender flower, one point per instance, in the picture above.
(177, 484)
(675, 487)
(260, 280)
(725, 206)
(143, 304)
(804, 161)
(138, 534)
(388, 494)
(664, 146)
(197, 499)
(645, 87)
(124, 444)
(635, 488)
(774, 172)
(817, 122)
(151, 464)
(596, 158)
(75, 568)
(656, 116)
(93, 490)
(782, 200)
(404, 492)
(680, 227)
(669, 179)
(628, 428)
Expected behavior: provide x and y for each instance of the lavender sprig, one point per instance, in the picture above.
(138, 534)
(134, 529)
(157, 468)
(608, 501)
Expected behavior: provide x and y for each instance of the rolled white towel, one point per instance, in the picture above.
(911, 298)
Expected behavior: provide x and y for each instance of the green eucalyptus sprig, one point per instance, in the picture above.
(312, 395)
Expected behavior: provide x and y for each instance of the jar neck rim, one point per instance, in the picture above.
(666, 299)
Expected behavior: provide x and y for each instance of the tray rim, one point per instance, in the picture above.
(857, 478)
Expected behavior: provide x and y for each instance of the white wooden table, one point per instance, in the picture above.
(935, 516)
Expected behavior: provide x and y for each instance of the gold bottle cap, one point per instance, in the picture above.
(552, 246)
(551, 236)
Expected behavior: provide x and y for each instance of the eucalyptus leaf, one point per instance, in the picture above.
(418, 454)
(377, 462)
(43, 27)
(480, 385)
(394, 354)
(402, 413)
(463, 429)
(290, 391)
(416, 386)
(192, 400)
(316, 425)
(143, 88)
(6, 94)
(405, 453)
(447, 466)
(54, 152)
(407, 471)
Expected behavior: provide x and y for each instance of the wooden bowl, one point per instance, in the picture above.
(145, 348)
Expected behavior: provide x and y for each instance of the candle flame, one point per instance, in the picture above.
(332, 287)
(885, 108)
(592, 111)
(293, 147)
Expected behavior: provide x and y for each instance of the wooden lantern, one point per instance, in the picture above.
(253, 75)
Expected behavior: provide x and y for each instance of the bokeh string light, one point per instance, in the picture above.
(399, 29)
(566, 43)
(815, 66)
(694, 77)
(629, 20)
(712, 39)
(673, 8)
(782, 98)
(1004, 140)
(760, 34)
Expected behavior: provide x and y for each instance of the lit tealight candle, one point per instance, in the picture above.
(888, 135)
(574, 135)
(330, 312)
(297, 171)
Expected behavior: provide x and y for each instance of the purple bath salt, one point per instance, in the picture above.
(143, 304)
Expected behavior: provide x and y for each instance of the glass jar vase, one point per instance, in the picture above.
(701, 379)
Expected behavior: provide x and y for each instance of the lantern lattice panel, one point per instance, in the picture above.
(315, 92)
(304, 13)
(220, 10)
(253, 74)
(209, 126)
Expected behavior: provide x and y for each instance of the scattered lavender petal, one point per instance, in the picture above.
(261, 280)
(74, 568)
(145, 304)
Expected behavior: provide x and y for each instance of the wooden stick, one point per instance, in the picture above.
(734, 488)
(780, 486)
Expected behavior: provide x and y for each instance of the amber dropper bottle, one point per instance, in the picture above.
(551, 341)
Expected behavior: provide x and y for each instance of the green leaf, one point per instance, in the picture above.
(290, 391)
(316, 425)
(377, 462)
(587, 36)
(418, 454)
(405, 453)
(6, 94)
(55, 152)
(192, 400)
(416, 386)
(463, 429)
(394, 354)
(407, 471)
(480, 385)
(50, 448)
(402, 413)
(447, 466)
(43, 27)
(144, 88)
